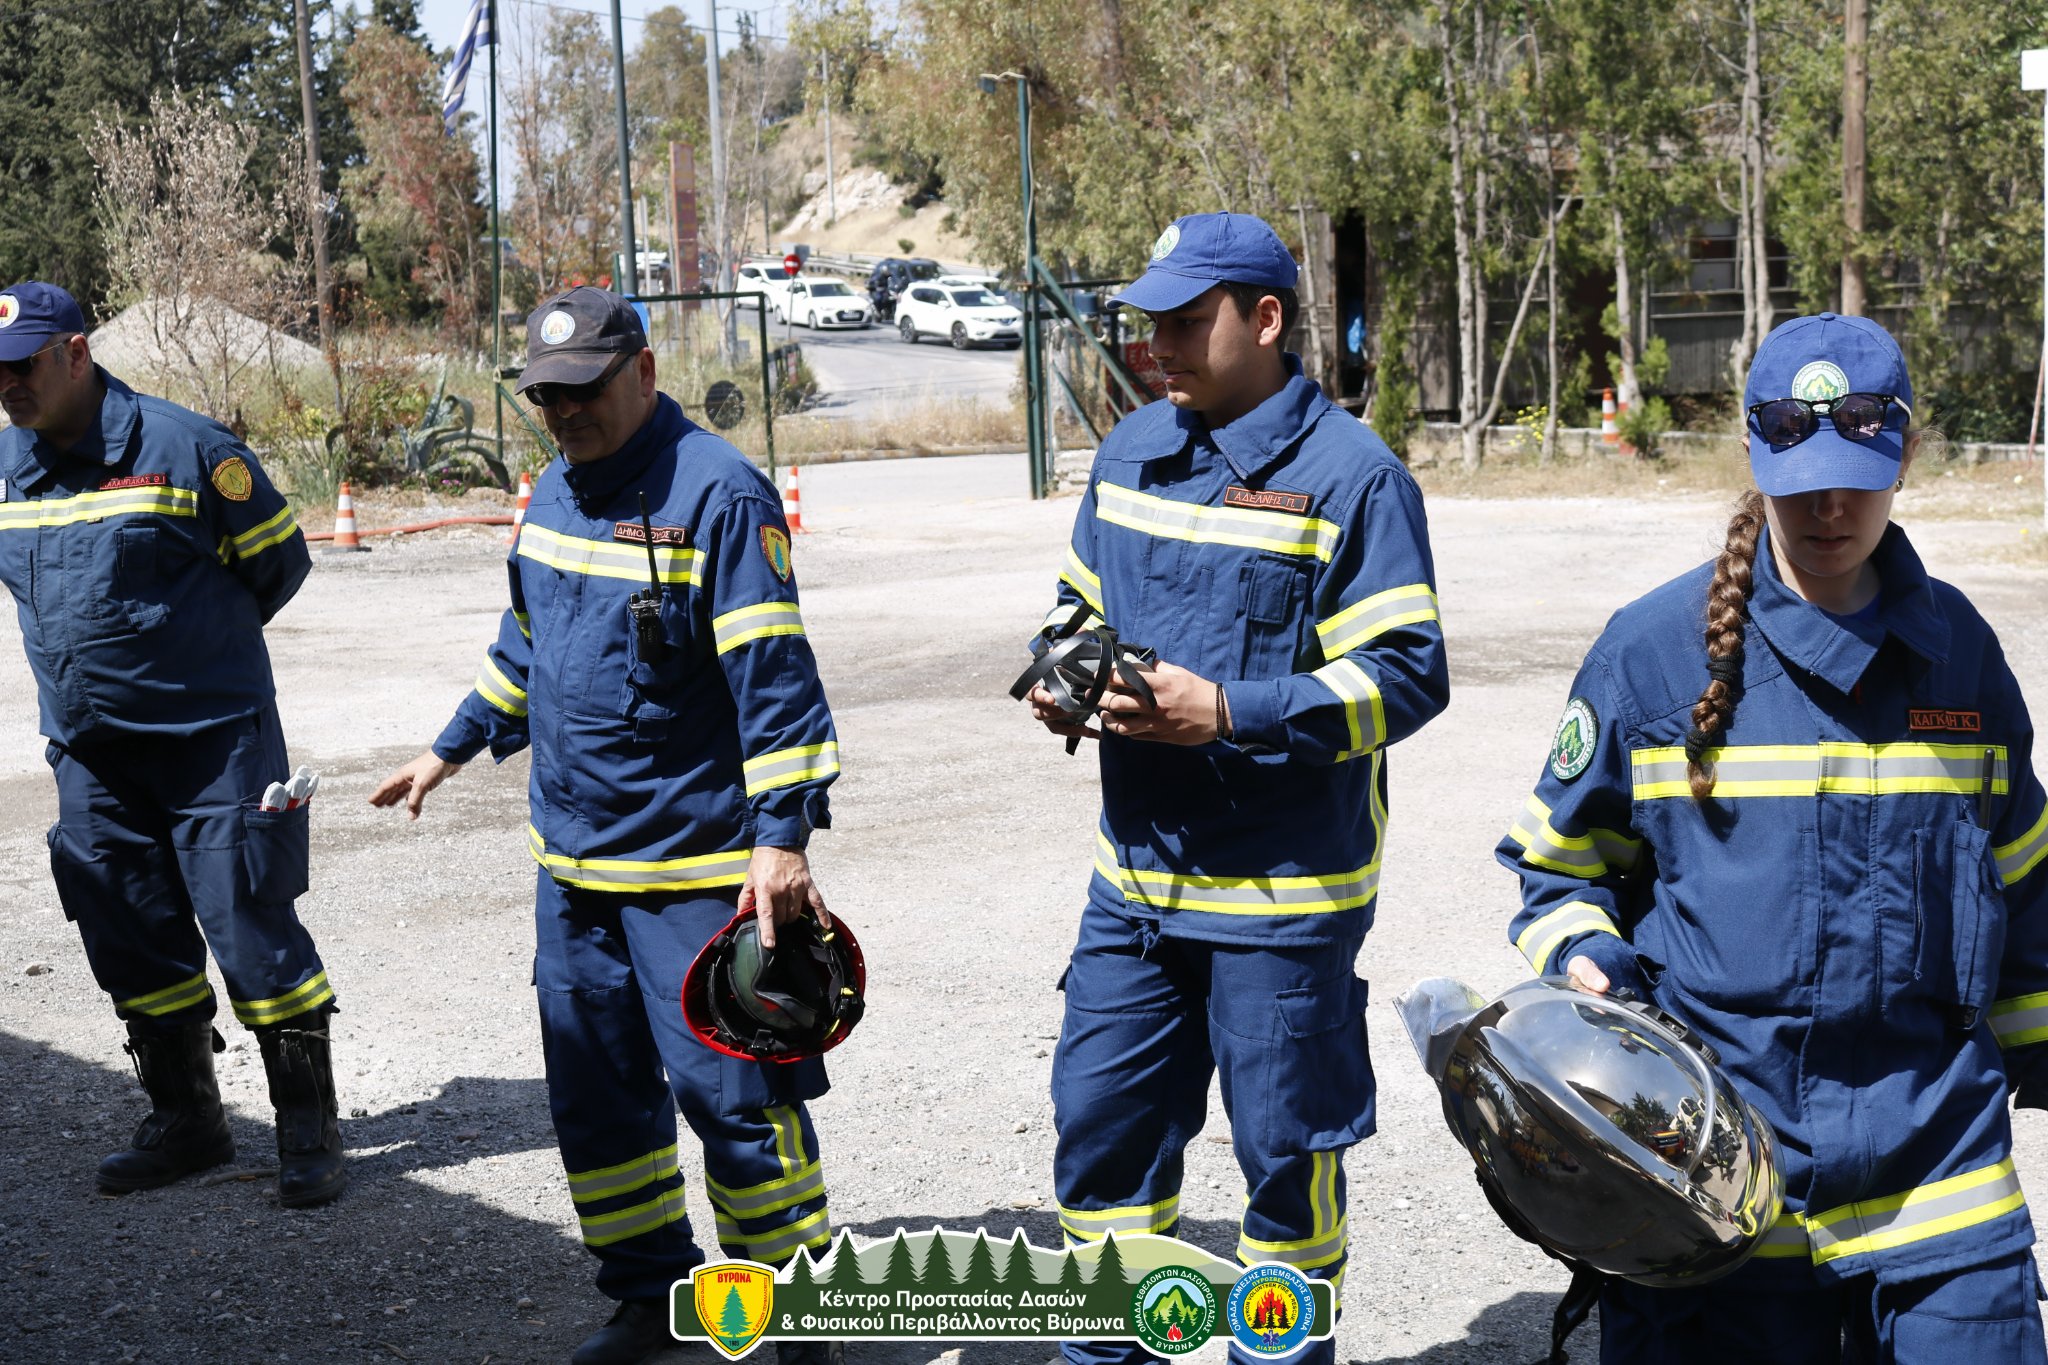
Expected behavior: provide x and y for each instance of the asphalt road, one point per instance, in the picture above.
(960, 852)
(871, 375)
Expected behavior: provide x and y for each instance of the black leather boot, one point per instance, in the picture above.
(301, 1072)
(185, 1130)
(637, 1331)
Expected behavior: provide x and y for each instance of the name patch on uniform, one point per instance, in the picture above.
(663, 535)
(135, 481)
(1578, 732)
(775, 547)
(233, 479)
(1947, 722)
(1266, 500)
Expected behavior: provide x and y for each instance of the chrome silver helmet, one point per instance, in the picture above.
(1603, 1130)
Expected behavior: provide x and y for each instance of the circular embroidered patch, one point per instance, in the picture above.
(1819, 381)
(1271, 1310)
(233, 479)
(1571, 748)
(10, 309)
(557, 327)
(1173, 1310)
(1168, 240)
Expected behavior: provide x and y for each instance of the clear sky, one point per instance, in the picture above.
(443, 19)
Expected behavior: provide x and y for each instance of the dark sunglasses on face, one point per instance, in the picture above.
(1858, 416)
(547, 395)
(21, 368)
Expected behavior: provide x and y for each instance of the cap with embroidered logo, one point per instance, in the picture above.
(573, 337)
(1822, 358)
(31, 314)
(1203, 250)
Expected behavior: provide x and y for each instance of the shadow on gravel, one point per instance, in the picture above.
(402, 1267)
(1516, 1330)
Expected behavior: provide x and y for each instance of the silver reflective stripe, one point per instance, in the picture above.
(602, 1229)
(1589, 855)
(2020, 1020)
(1364, 712)
(1198, 893)
(2024, 854)
(606, 558)
(784, 766)
(1832, 768)
(1374, 616)
(1930, 1211)
(668, 874)
(777, 1244)
(1541, 938)
(1276, 531)
(586, 1187)
(809, 1183)
(1786, 1240)
(1310, 1254)
(736, 628)
(1090, 1225)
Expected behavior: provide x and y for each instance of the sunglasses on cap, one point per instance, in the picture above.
(547, 395)
(21, 368)
(1858, 416)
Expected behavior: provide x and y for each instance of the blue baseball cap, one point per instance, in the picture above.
(1203, 250)
(1820, 358)
(31, 313)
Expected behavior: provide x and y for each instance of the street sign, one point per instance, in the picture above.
(791, 264)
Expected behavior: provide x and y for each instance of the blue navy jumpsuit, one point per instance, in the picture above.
(652, 781)
(144, 565)
(1856, 920)
(1286, 556)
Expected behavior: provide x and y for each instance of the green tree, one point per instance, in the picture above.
(981, 1267)
(938, 1262)
(898, 1269)
(733, 1323)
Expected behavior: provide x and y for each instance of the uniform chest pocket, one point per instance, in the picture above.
(1977, 921)
(1275, 592)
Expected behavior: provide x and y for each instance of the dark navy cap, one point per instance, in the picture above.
(573, 337)
(33, 312)
(1203, 250)
(1824, 357)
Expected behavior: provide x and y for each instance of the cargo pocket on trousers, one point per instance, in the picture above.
(277, 853)
(1323, 1093)
(1977, 906)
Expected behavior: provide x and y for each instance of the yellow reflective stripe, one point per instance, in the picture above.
(1355, 688)
(1540, 940)
(1082, 579)
(1374, 616)
(118, 502)
(1277, 532)
(789, 1138)
(2024, 854)
(735, 628)
(1309, 1253)
(784, 767)
(1239, 895)
(2020, 1020)
(1786, 1240)
(772, 1196)
(1832, 768)
(1063, 612)
(607, 558)
(524, 622)
(185, 994)
(500, 691)
(1587, 855)
(776, 1244)
(603, 1229)
(1091, 1225)
(1325, 1212)
(627, 874)
(257, 539)
(1945, 1206)
(587, 1187)
(309, 994)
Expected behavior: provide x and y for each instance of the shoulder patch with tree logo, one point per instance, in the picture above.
(1571, 748)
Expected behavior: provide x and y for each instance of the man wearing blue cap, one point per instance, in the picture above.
(146, 550)
(654, 657)
(1273, 552)
(1792, 801)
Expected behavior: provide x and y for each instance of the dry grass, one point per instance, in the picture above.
(931, 427)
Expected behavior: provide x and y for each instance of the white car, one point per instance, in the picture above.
(965, 315)
(766, 276)
(825, 303)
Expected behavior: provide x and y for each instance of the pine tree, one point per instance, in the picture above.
(1070, 1271)
(938, 1262)
(733, 1323)
(800, 1268)
(1109, 1265)
(845, 1260)
(981, 1268)
(898, 1271)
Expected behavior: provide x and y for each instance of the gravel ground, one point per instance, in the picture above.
(960, 855)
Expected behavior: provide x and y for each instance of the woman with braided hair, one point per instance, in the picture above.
(1819, 842)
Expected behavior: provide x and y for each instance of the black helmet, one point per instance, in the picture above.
(1603, 1130)
(781, 1004)
(1076, 664)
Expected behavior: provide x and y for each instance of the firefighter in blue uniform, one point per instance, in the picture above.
(681, 752)
(1273, 552)
(1792, 798)
(146, 550)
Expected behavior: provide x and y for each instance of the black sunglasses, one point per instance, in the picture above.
(22, 367)
(547, 395)
(1858, 416)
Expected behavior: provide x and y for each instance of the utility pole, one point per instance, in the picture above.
(316, 199)
(1855, 156)
(629, 259)
(718, 215)
(831, 179)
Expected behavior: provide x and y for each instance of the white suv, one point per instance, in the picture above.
(766, 276)
(966, 315)
(824, 303)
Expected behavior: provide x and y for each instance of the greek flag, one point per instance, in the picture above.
(476, 29)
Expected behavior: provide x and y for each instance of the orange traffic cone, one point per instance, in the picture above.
(792, 504)
(519, 510)
(345, 523)
(1610, 432)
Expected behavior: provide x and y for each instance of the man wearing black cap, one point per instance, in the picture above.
(146, 550)
(654, 657)
(1273, 552)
